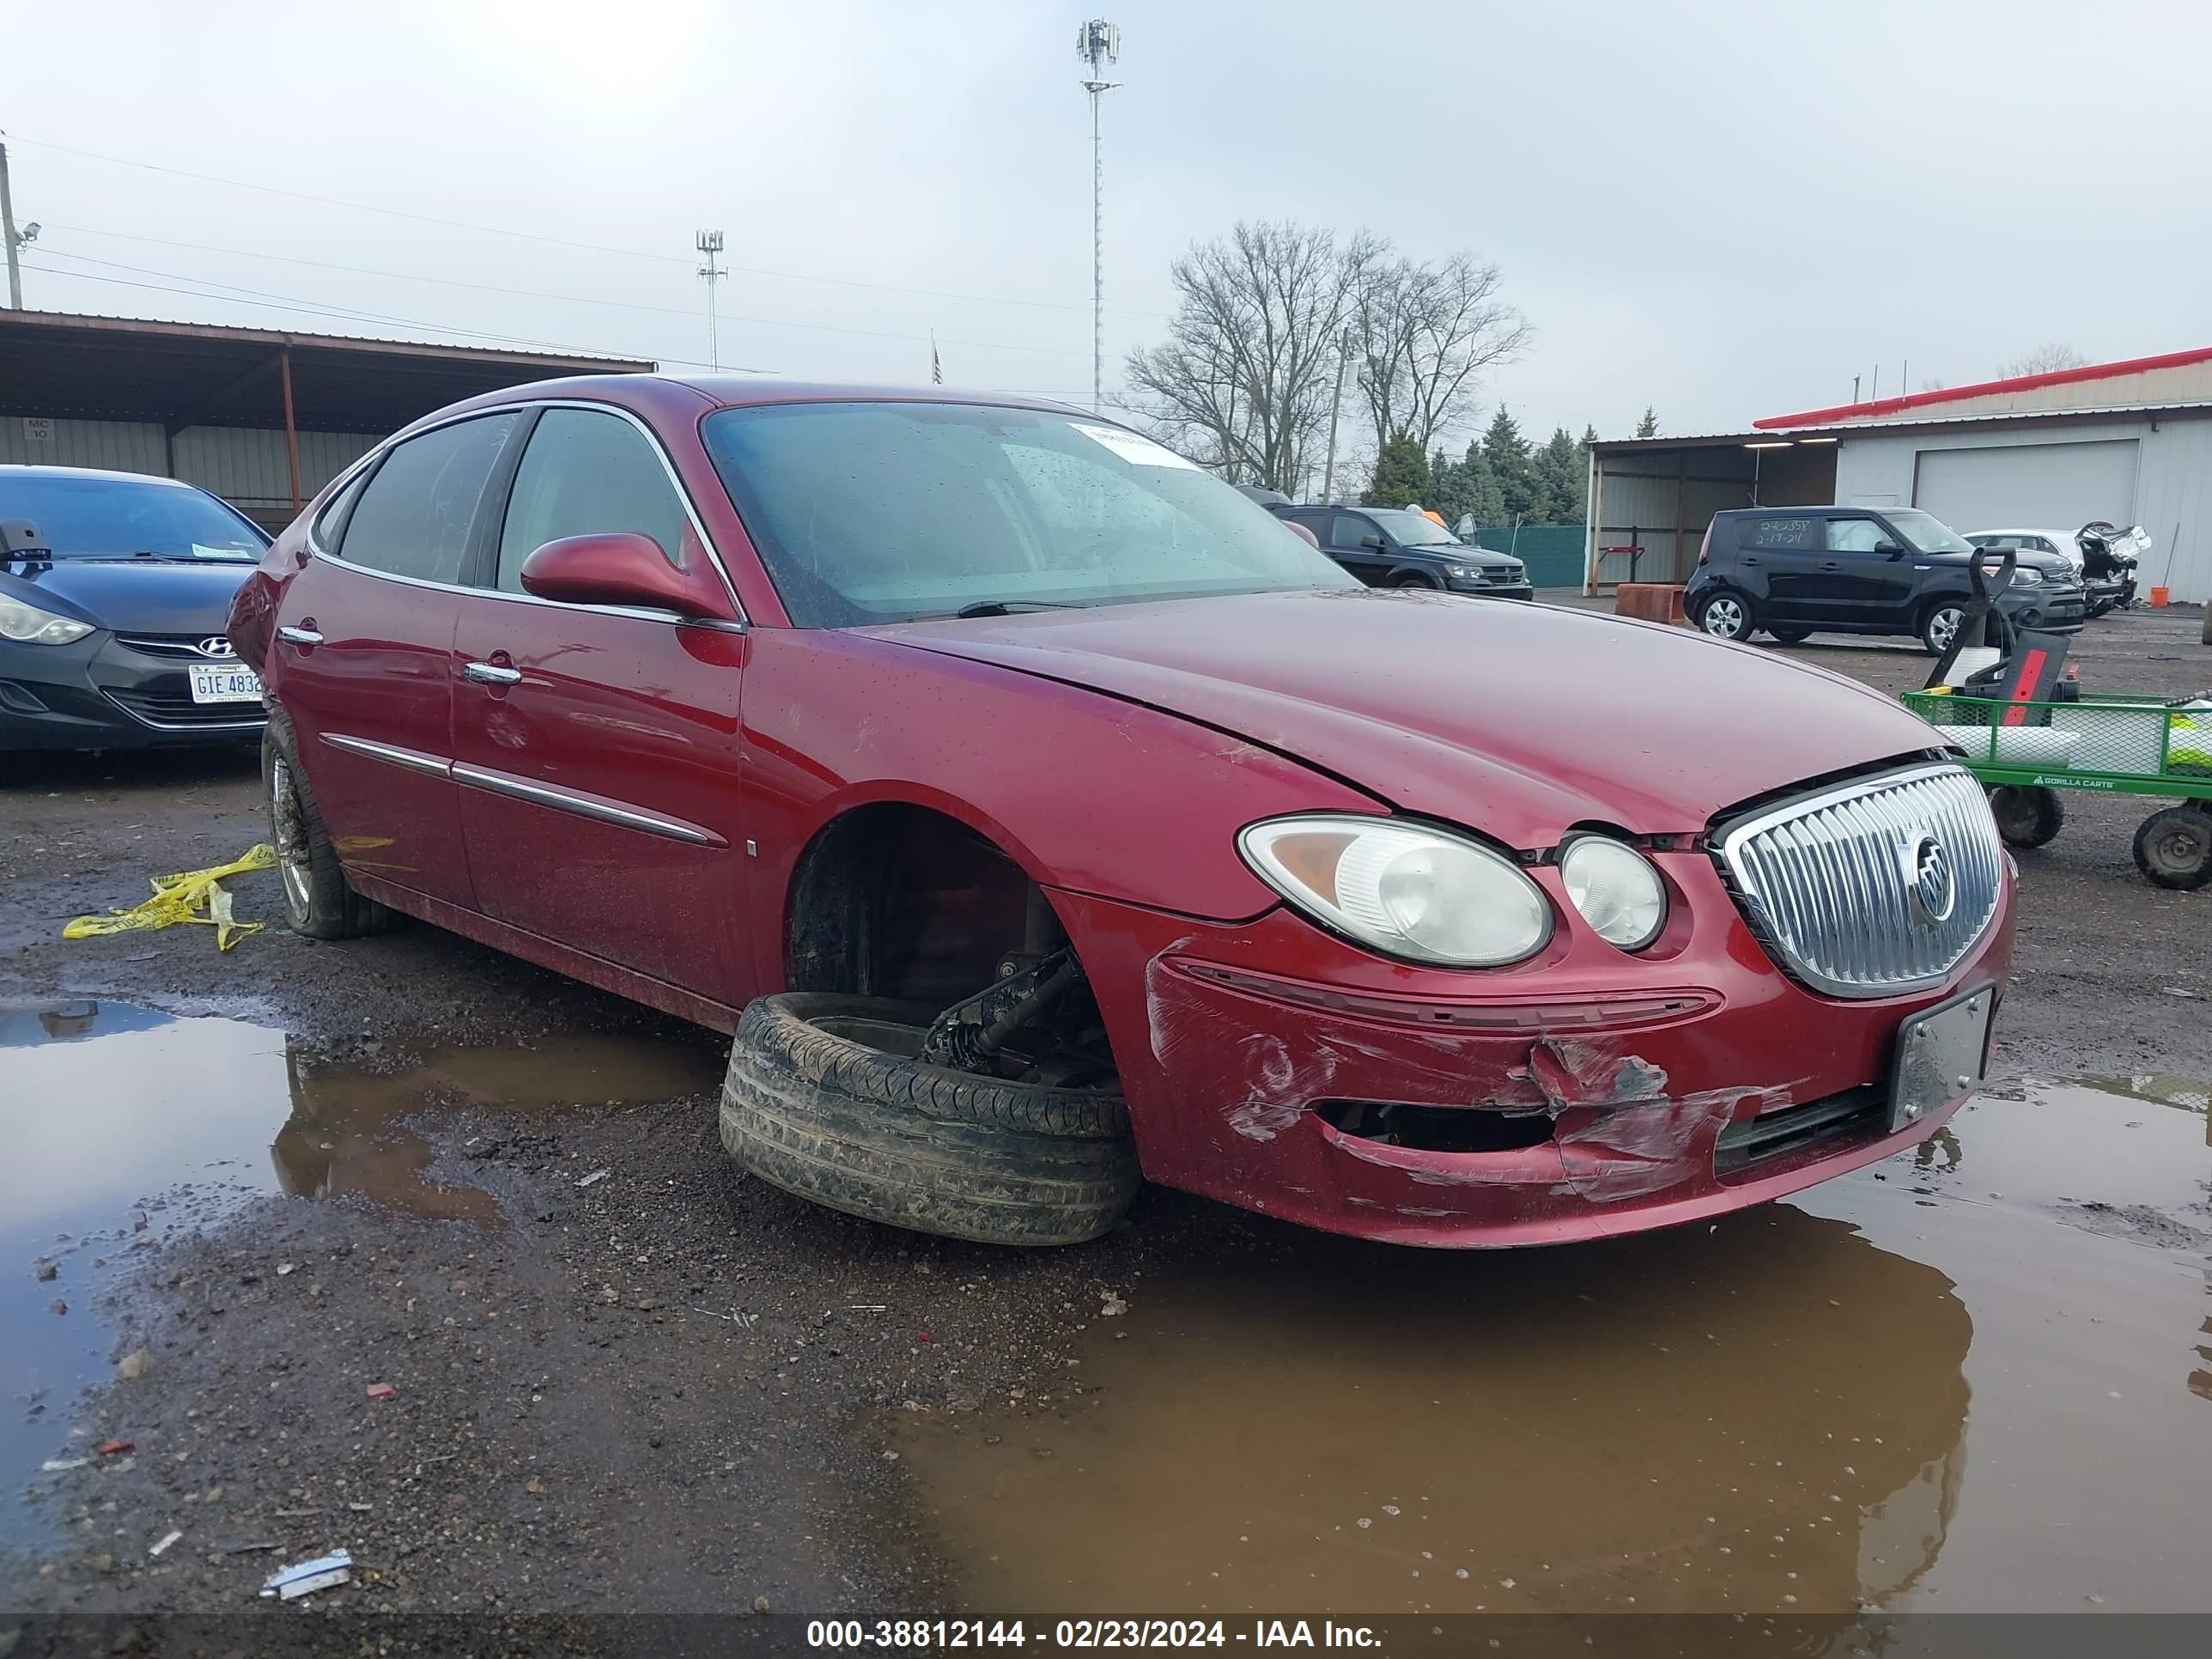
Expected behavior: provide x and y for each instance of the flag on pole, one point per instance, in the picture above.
(936, 369)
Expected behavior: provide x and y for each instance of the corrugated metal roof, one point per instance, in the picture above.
(2102, 413)
(69, 365)
(1879, 408)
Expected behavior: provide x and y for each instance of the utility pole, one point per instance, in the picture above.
(1335, 402)
(710, 242)
(10, 235)
(1097, 43)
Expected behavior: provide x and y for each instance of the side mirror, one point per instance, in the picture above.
(611, 567)
(1371, 540)
(1889, 550)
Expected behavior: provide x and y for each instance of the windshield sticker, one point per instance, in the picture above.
(202, 551)
(1135, 450)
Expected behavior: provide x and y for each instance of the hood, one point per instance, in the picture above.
(1488, 558)
(132, 596)
(2048, 565)
(1518, 720)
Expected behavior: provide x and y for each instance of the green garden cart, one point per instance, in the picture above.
(2025, 752)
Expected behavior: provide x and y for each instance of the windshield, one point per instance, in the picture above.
(1412, 529)
(873, 513)
(1926, 533)
(92, 518)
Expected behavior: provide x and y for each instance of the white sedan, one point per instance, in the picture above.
(2104, 592)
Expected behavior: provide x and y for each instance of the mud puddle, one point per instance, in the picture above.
(125, 1126)
(1975, 1377)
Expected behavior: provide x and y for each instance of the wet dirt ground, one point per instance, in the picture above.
(1979, 1377)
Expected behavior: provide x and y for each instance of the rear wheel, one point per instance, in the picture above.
(2173, 847)
(1939, 626)
(1726, 615)
(317, 901)
(2027, 815)
(828, 1098)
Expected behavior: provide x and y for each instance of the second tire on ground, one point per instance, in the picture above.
(827, 1098)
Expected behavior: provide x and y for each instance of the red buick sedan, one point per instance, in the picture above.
(1037, 813)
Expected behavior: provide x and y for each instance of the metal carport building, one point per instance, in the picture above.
(262, 418)
(2128, 441)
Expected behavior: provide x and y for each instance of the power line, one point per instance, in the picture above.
(307, 307)
(489, 288)
(556, 241)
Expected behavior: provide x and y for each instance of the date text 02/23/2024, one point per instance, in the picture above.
(930, 1634)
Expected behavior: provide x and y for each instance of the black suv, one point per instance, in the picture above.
(1396, 547)
(1793, 571)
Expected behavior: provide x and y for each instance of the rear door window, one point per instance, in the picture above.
(330, 522)
(1346, 529)
(415, 516)
(587, 472)
(1780, 533)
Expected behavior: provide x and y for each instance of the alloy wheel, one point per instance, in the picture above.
(1943, 627)
(1723, 618)
(287, 827)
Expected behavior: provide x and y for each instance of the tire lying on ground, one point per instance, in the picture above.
(826, 1099)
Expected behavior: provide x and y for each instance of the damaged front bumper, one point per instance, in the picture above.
(1585, 1092)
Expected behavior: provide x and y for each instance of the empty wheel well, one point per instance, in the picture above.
(893, 900)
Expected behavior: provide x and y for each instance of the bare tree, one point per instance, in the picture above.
(1427, 332)
(2045, 359)
(1241, 383)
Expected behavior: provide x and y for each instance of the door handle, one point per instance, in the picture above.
(299, 636)
(490, 673)
(1832, 565)
(1747, 559)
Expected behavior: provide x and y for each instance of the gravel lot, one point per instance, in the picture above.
(671, 1388)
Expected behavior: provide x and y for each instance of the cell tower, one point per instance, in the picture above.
(1097, 43)
(710, 242)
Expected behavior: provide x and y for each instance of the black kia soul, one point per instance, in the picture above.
(1792, 571)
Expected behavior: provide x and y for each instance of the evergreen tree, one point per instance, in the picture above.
(1447, 478)
(1477, 485)
(1402, 475)
(1560, 467)
(1649, 426)
(1521, 492)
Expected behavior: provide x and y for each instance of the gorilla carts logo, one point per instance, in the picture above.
(1929, 879)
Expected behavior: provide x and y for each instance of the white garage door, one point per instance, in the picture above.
(2062, 486)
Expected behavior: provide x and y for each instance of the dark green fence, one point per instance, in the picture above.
(1553, 552)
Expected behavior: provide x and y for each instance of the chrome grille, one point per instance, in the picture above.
(1829, 880)
(166, 645)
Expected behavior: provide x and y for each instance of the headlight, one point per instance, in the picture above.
(1616, 890)
(28, 624)
(1466, 572)
(1404, 889)
(2025, 577)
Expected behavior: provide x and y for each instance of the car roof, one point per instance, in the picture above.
(19, 470)
(2021, 529)
(1803, 506)
(674, 395)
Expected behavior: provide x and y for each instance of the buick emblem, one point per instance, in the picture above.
(1928, 877)
(216, 646)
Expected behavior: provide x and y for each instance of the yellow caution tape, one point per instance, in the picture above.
(182, 897)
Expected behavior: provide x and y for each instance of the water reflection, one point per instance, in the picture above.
(1769, 1414)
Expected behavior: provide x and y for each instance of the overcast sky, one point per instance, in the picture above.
(1726, 211)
